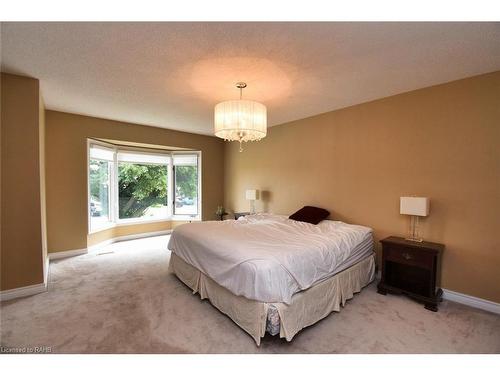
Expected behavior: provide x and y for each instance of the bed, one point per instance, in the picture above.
(272, 274)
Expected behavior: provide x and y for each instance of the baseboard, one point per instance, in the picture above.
(128, 238)
(465, 299)
(101, 244)
(24, 291)
(66, 254)
(72, 253)
(476, 302)
(141, 235)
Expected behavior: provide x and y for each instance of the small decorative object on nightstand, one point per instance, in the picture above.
(237, 215)
(220, 212)
(412, 268)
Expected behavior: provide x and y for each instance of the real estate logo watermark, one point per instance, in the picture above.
(25, 350)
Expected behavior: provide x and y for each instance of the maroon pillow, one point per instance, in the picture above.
(309, 214)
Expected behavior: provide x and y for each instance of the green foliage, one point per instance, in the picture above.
(99, 181)
(98, 176)
(140, 186)
(186, 181)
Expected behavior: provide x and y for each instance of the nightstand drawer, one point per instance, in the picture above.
(412, 257)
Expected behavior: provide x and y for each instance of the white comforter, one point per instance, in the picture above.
(266, 257)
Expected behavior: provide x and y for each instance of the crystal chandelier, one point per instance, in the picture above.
(240, 120)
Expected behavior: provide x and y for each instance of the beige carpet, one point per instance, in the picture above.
(127, 302)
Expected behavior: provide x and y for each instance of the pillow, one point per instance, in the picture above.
(309, 214)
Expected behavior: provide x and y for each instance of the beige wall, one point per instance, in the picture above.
(441, 142)
(127, 230)
(66, 156)
(21, 232)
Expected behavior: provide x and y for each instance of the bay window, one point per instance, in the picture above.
(127, 185)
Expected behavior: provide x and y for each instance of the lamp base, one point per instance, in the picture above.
(414, 235)
(252, 207)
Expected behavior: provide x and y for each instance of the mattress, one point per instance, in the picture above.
(357, 253)
(269, 258)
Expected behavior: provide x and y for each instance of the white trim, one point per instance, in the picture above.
(136, 220)
(186, 218)
(111, 202)
(24, 291)
(46, 271)
(67, 253)
(100, 244)
(465, 299)
(128, 238)
(472, 301)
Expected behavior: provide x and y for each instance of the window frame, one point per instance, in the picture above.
(114, 194)
(181, 217)
(140, 220)
(111, 222)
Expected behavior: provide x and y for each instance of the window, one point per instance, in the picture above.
(128, 185)
(100, 174)
(186, 184)
(142, 186)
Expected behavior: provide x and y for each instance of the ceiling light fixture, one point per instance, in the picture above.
(240, 120)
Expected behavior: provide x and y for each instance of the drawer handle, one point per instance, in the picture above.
(407, 256)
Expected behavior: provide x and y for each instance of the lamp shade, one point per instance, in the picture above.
(418, 206)
(251, 195)
(240, 120)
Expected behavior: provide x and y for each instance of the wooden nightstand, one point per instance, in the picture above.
(412, 268)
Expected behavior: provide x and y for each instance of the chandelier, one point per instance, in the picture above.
(240, 120)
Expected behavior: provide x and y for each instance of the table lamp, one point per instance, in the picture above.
(416, 207)
(251, 195)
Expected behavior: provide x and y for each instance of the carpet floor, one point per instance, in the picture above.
(122, 299)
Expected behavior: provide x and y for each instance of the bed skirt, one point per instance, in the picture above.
(306, 308)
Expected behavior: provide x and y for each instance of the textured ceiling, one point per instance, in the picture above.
(172, 74)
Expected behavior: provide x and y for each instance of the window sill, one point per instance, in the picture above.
(185, 218)
(125, 222)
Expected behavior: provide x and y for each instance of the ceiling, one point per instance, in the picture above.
(172, 74)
